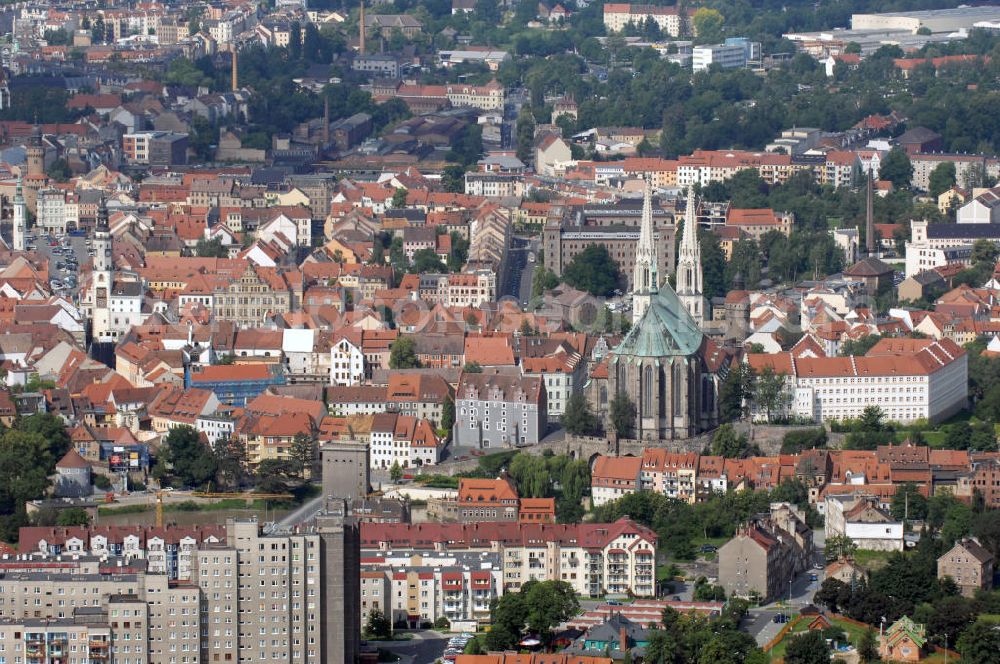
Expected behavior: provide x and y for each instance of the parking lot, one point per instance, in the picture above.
(455, 647)
(65, 255)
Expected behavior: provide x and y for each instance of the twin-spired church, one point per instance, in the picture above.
(665, 364)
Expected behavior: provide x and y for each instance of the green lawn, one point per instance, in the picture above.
(853, 632)
(662, 572)
(871, 559)
(697, 543)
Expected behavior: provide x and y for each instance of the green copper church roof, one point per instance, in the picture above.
(665, 330)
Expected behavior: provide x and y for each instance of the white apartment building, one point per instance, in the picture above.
(216, 426)
(404, 440)
(932, 243)
(347, 363)
(908, 379)
(495, 185)
(428, 585)
(614, 477)
(920, 259)
(170, 551)
(924, 165)
(734, 54)
(594, 558)
(471, 289)
(243, 597)
(489, 97)
(563, 374)
(706, 166)
(619, 15)
(55, 215)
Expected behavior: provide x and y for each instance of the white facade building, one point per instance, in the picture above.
(935, 245)
(53, 212)
(347, 363)
(862, 519)
(402, 439)
(20, 220)
(734, 54)
(216, 426)
(619, 15)
(908, 379)
(983, 209)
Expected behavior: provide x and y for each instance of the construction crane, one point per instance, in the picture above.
(159, 508)
(247, 496)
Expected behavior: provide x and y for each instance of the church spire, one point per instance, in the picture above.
(644, 278)
(689, 275)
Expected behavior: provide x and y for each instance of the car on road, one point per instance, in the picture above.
(780, 618)
(813, 577)
(818, 566)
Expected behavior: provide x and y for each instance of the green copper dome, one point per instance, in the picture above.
(665, 330)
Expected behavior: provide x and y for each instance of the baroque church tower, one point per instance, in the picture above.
(689, 289)
(644, 278)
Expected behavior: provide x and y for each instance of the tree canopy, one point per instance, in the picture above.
(185, 460)
(593, 270)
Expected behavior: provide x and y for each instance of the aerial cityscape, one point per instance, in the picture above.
(499, 332)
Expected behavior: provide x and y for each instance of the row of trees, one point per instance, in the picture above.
(29, 451)
(679, 524)
(185, 460)
(553, 476)
(908, 585)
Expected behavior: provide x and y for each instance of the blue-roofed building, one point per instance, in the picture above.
(235, 384)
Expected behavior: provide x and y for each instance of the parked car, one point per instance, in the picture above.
(780, 618)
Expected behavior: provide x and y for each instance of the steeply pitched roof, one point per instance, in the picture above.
(974, 549)
(665, 330)
(869, 267)
(72, 459)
